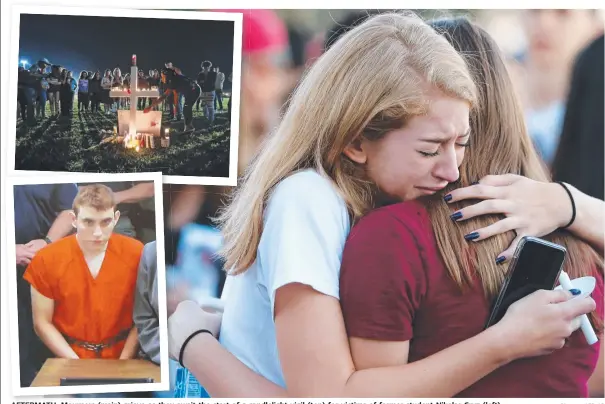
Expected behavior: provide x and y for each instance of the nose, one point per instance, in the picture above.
(447, 167)
(98, 232)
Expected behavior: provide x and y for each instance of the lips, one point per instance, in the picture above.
(432, 189)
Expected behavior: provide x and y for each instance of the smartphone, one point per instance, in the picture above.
(536, 265)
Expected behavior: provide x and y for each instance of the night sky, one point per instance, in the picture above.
(97, 43)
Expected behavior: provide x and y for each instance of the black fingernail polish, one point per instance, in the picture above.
(471, 236)
(575, 292)
(456, 216)
(447, 198)
(474, 183)
(500, 260)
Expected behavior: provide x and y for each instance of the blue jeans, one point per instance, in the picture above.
(30, 97)
(179, 105)
(41, 107)
(208, 101)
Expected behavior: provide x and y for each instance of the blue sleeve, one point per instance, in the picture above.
(63, 196)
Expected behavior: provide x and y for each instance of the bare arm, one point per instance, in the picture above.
(318, 364)
(131, 346)
(222, 374)
(532, 208)
(590, 216)
(135, 194)
(61, 227)
(43, 309)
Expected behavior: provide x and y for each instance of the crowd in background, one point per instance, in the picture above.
(275, 58)
(46, 89)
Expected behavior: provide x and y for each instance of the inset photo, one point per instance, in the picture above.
(115, 91)
(88, 295)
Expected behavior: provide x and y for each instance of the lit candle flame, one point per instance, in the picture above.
(138, 148)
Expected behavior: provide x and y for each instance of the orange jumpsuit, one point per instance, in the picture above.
(87, 309)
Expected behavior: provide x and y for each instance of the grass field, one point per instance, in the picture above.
(72, 144)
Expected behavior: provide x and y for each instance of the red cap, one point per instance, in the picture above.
(263, 31)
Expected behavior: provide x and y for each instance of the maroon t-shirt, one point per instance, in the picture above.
(394, 286)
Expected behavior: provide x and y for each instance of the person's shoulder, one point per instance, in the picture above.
(407, 214)
(307, 184)
(127, 244)
(309, 195)
(57, 252)
(408, 219)
(150, 249)
(61, 244)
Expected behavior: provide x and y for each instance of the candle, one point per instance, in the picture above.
(138, 148)
(134, 60)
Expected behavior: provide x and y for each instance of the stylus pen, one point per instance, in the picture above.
(587, 329)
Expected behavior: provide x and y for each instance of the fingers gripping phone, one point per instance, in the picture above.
(536, 265)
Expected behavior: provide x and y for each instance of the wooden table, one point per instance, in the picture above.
(55, 369)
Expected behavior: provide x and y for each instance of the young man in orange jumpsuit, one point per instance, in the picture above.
(83, 285)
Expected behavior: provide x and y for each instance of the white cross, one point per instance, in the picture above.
(134, 94)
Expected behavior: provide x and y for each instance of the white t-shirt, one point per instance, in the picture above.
(306, 224)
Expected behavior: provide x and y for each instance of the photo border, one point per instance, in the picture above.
(11, 182)
(236, 17)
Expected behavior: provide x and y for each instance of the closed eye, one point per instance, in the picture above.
(427, 154)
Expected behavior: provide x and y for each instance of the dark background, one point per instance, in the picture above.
(99, 43)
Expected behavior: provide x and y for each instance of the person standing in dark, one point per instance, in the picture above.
(30, 86)
(83, 92)
(579, 159)
(73, 86)
(94, 88)
(176, 85)
(54, 89)
(218, 88)
(65, 94)
(41, 86)
(169, 103)
(142, 84)
(22, 79)
(42, 216)
(208, 91)
(230, 79)
(154, 82)
(105, 89)
(201, 77)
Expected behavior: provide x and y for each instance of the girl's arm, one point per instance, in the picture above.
(532, 208)
(590, 216)
(316, 360)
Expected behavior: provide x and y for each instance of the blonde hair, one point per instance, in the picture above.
(371, 81)
(98, 196)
